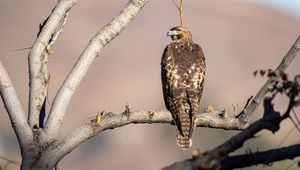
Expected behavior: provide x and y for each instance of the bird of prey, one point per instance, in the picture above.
(182, 73)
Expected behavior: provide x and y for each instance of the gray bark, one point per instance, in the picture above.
(40, 147)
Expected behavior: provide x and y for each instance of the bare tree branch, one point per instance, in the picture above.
(211, 159)
(265, 157)
(287, 59)
(38, 58)
(100, 40)
(14, 109)
(112, 121)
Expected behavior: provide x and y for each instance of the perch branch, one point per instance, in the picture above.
(287, 59)
(265, 157)
(111, 121)
(14, 109)
(38, 58)
(211, 159)
(100, 40)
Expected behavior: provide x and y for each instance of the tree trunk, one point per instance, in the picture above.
(37, 158)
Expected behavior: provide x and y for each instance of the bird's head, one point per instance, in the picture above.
(180, 33)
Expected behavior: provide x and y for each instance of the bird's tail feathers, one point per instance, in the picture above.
(184, 139)
(185, 142)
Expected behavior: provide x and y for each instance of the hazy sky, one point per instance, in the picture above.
(237, 37)
(290, 6)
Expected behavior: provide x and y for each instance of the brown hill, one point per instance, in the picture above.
(237, 38)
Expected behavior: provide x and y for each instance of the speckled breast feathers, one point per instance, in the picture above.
(182, 72)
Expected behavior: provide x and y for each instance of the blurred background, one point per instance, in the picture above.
(237, 37)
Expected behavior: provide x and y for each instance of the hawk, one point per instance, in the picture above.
(182, 74)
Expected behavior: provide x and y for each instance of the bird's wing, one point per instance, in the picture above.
(196, 76)
(167, 67)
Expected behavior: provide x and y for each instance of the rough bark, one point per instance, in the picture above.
(100, 40)
(14, 109)
(40, 147)
(38, 58)
(266, 157)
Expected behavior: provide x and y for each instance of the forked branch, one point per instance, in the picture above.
(38, 58)
(212, 159)
(100, 40)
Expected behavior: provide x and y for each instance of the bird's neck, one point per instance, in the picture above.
(184, 40)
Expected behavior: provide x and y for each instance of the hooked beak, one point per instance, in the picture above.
(172, 33)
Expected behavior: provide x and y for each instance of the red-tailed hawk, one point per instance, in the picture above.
(182, 73)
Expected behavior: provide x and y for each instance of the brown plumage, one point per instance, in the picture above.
(182, 73)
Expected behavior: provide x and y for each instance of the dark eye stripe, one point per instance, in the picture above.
(177, 29)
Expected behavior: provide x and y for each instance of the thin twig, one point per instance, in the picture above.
(180, 10)
(181, 14)
(286, 136)
(247, 103)
(10, 161)
(16, 50)
(287, 59)
(291, 165)
(296, 117)
(295, 124)
(176, 5)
